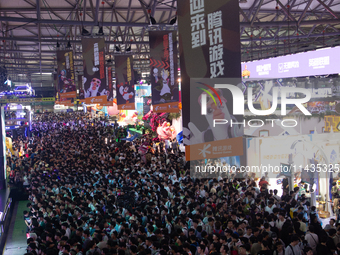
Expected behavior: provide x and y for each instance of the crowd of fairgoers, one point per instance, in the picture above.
(93, 194)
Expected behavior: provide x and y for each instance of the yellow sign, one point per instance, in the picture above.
(332, 121)
(9, 144)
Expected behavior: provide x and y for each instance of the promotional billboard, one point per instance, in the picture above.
(318, 62)
(81, 87)
(65, 84)
(94, 80)
(109, 91)
(209, 44)
(164, 73)
(125, 82)
(143, 91)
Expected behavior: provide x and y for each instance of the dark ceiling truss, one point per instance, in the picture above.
(30, 31)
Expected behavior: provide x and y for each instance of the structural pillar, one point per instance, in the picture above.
(2, 149)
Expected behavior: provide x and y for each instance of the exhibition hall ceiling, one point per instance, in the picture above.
(32, 30)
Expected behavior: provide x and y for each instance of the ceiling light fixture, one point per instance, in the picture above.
(84, 32)
(100, 31)
(173, 21)
(152, 20)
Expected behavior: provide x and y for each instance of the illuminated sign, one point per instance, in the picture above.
(11, 127)
(319, 62)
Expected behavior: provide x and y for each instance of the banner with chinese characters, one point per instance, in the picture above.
(109, 91)
(81, 94)
(125, 82)
(94, 80)
(209, 45)
(164, 73)
(65, 83)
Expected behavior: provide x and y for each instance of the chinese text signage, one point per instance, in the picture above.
(209, 44)
(319, 62)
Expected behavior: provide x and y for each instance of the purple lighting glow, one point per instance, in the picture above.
(319, 62)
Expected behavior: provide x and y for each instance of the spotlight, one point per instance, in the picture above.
(69, 45)
(117, 49)
(153, 21)
(58, 45)
(128, 49)
(173, 21)
(84, 32)
(100, 31)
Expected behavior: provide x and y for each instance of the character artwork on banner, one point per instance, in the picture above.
(94, 81)
(125, 83)
(65, 83)
(164, 73)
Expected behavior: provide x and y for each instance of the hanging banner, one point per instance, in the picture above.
(209, 44)
(164, 73)
(125, 83)
(81, 87)
(109, 91)
(65, 84)
(94, 80)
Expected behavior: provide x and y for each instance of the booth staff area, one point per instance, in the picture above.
(177, 127)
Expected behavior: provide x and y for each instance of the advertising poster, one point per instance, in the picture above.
(94, 80)
(164, 73)
(209, 44)
(125, 82)
(66, 87)
(81, 87)
(109, 91)
(139, 110)
(143, 91)
(319, 62)
(147, 105)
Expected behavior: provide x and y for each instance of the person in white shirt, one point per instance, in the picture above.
(293, 248)
(269, 208)
(202, 192)
(312, 239)
(279, 223)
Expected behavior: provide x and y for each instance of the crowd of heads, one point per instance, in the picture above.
(91, 193)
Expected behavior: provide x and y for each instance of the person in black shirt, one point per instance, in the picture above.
(322, 247)
(265, 249)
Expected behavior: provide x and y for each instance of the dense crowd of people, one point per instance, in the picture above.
(92, 194)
